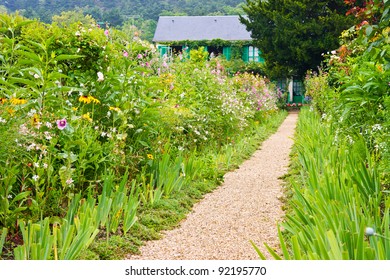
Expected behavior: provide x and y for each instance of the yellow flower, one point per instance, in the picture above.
(86, 117)
(3, 100)
(84, 99)
(88, 99)
(11, 111)
(18, 101)
(74, 108)
(35, 119)
(94, 100)
(116, 109)
(150, 156)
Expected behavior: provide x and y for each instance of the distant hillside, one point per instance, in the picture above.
(141, 13)
(118, 11)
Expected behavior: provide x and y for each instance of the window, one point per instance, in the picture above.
(253, 54)
(298, 88)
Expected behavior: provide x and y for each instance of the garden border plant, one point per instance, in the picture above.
(87, 145)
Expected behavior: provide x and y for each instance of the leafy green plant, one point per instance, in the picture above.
(337, 197)
(3, 235)
(94, 124)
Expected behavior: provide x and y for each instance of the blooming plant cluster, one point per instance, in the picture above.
(343, 146)
(81, 105)
(359, 74)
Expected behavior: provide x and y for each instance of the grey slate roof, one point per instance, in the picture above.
(179, 28)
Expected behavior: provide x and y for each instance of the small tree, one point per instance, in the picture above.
(292, 34)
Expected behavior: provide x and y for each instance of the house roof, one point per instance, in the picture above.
(195, 28)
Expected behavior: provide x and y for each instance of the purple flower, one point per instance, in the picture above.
(61, 124)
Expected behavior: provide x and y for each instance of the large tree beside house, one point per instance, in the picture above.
(293, 34)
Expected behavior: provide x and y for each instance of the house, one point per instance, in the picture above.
(220, 35)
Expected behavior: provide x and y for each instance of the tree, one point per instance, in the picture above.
(293, 34)
(67, 18)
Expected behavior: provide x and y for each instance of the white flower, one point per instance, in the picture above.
(45, 165)
(376, 127)
(48, 125)
(35, 178)
(36, 76)
(2, 120)
(31, 147)
(31, 113)
(36, 164)
(77, 33)
(100, 76)
(47, 135)
(69, 181)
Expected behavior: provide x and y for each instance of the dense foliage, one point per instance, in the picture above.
(339, 202)
(143, 14)
(94, 124)
(292, 34)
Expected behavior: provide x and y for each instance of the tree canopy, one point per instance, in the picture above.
(293, 35)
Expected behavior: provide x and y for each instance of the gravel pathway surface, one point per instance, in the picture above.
(245, 207)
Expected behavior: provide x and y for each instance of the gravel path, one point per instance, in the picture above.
(245, 207)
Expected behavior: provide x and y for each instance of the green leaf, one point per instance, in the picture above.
(258, 251)
(2, 239)
(335, 253)
(62, 57)
(20, 196)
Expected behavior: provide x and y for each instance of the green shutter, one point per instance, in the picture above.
(163, 50)
(261, 59)
(227, 52)
(245, 53)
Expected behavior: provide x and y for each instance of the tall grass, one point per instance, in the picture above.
(336, 201)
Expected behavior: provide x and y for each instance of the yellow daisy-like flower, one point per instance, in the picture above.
(35, 119)
(86, 117)
(94, 100)
(88, 99)
(150, 156)
(10, 111)
(84, 99)
(116, 109)
(17, 101)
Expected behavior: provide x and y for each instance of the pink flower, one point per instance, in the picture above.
(125, 54)
(61, 124)
(139, 56)
(106, 32)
